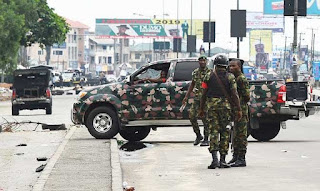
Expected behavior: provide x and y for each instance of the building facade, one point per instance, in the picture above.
(70, 54)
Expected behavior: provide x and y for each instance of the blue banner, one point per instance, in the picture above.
(275, 7)
(316, 70)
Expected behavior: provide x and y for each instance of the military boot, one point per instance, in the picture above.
(223, 163)
(234, 158)
(241, 162)
(205, 142)
(198, 139)
(214, 162)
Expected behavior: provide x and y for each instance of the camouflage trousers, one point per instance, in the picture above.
(240, 136)
(219, 134)
(193, 115)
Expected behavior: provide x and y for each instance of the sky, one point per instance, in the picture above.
(86, 11)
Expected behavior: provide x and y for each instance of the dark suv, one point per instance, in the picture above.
(31, 90)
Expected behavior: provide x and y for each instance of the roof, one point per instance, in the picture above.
(76, 24)
(102, 41)
(142, 47)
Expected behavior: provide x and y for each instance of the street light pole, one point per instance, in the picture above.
(209, 28)
(190, 26)
(238, 38)
(177, 27)
(294, 44)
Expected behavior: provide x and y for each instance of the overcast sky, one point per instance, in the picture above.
(86, 11)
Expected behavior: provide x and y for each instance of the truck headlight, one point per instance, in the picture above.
(81, 95)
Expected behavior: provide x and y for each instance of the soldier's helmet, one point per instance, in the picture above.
(221, 60)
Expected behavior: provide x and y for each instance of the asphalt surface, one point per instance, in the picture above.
(169, 161)
(76, 160)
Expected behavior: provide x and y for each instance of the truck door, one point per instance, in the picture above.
(181, 79)
(146, 98)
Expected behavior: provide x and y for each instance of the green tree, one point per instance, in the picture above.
(11, 25)
(49, 29)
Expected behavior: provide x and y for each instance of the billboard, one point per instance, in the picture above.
(256, 20)
(261, 48)
(275, 7)
(148, 28)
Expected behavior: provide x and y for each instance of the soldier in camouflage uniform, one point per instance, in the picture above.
(240, 129)
(197, 78)
(220, 89)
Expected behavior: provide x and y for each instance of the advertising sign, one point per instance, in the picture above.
(275, 7)
(256, 20)
(261, 48)
(147, 28)
(316, 70)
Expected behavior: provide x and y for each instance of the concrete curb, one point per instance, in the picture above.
(116, 175)
(39, 185)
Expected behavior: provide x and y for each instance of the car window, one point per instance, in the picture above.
(153, 71)
(184, 69)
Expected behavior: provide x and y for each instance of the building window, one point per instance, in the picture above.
(40, 52)
(126, 42)
(104, 47)
(100, 59)
(104, 59)
(137, 56)
(117, 57)
(57, 52)
(125, 58)
(109, 59)
(69, 52)
(148, 57)
(75, 37)
(91, 46)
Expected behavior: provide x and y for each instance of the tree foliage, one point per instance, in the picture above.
(24, 22)
(11, 25)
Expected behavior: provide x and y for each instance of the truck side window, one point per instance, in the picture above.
(184, 69)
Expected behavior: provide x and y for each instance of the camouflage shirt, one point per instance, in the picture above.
(198, 77)
(243, 91)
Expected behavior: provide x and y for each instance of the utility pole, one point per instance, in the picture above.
(177, 27)
(190, 26)
(209, 28)
(238, 38)
(294, 44)
(284, 54)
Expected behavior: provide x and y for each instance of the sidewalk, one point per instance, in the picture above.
(82, 163)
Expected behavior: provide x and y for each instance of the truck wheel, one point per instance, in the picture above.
(135, 133)
(266, 131)
(102, 123)
(49, 110)
(15, 110)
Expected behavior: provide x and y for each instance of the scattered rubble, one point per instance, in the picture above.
(41, 167)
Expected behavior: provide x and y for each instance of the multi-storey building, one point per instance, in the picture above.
(70, 54)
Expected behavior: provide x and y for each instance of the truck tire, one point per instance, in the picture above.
(266, 131)
(15, 110)
(135, 133)
(49, 110)
(102, 123)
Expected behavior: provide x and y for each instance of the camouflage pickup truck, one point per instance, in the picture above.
(132, 108)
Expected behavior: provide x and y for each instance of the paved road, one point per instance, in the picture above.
(18, 164)
(289, 162)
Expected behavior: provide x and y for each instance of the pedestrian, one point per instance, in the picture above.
(61, 81)
(240, 128)
(220, 92)
(197, 78)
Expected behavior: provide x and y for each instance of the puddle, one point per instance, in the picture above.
(132, 146)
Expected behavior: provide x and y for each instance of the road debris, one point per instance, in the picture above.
(126, 187)
(21, 145)
(132, 146)
(42, 159)
(41, 167)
